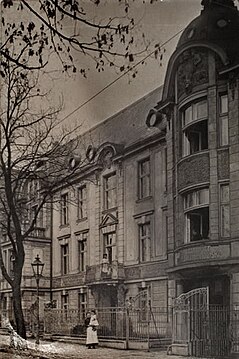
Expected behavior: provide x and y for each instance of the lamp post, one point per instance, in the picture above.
(37, 267)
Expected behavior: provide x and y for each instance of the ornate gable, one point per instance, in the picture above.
(108, 223)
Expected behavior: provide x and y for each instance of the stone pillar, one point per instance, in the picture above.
(212, 144)
(96, 295)
(179, 289)
(122, 290)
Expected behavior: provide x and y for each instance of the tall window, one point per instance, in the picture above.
(110, 191)
(33, 188)
(64, 259)
(64, 209)
(82, 202)
(11, 262)
(39, 230)
(82, 304)
(143, 299)
(145, 242)
(144, 188)
(109, 246)
(39, 218)
(223, 120)
(65, 304)
(194, 128)
(82, 243)
(225, 210)
(196, 206)
(8, 259)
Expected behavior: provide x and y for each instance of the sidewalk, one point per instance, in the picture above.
(65, 350)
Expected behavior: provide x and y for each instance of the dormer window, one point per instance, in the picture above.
(194, 128)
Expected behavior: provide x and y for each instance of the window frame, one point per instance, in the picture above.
(224, 204)
(82, 304)
(64, 212)
(195, 203)
(195, 119)
(82, 202)
(143, 192)
(82, 238)
(193, 105)
(143, 303)
(222, 116)
(65, 259)
(40, 218)
(145, 241)
(65, 304)
(110, 249)
(110, 192)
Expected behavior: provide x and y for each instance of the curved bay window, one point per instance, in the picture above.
(196, 209)
(194, 128)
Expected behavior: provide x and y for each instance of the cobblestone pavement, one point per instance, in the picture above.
(59, 350)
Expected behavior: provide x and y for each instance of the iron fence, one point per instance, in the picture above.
(210, 332)
(125, 324)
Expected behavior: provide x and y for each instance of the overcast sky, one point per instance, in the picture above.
(160, 21)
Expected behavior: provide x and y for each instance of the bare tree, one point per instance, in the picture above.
(33, 149)
(68, 27)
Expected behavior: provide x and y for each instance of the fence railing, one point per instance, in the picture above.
(114, 323)
(212, 331)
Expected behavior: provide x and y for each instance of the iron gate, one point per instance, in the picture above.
(210, 332)
(205, 329)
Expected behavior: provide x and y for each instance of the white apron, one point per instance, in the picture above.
(91, 334)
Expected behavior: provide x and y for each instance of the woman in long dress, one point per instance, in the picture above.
(91, 331)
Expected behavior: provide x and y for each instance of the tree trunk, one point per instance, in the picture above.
(17, 307)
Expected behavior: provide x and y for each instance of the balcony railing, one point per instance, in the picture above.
(101, 272)
(38, 232)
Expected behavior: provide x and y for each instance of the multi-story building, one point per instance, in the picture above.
(199, 107)
(171, 226)
(200, 103)
(157, 207)
(109, 232)
(38, 243)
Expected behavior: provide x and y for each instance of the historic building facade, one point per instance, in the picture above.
(38, 243)
(109, 225)
(154, 200)
(199, 107)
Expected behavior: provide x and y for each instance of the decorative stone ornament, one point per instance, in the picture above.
(192, 70)
(156, 118)
(74, 162)
(90, 153)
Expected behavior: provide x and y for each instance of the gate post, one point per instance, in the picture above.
(127, 328)
(148, 319)
(189, 319)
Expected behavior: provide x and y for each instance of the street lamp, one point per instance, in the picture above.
(37, 267)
